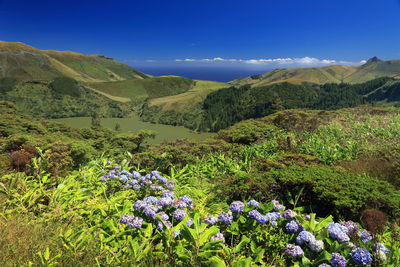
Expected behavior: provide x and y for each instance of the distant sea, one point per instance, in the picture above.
(202, 73)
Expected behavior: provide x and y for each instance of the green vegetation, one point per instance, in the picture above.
(58, 195)
(7, 84)
(65, 86)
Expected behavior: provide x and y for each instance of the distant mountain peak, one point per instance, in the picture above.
(373, 60)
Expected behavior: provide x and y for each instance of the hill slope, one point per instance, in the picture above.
(373, 69)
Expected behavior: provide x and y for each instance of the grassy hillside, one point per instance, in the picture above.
(71, 197)
(373, 69)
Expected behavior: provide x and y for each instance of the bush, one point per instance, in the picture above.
(65, 86)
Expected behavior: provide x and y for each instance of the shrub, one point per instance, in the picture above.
(65, 86)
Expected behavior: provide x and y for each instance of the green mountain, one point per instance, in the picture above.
(372, 69)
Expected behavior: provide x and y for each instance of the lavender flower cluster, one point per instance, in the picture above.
(339, 232)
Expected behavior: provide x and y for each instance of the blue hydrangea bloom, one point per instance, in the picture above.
(155, 173)
(150, 211)
(324, 265)
(160, 225)
(124, 219)
(254, 214)
(316, 245)
(210, 220)
(338, 260)
(225, 217)
(293, 226)
(187, 200)
(338, 232)
(162, 179)
(237, 206)
(135, 222)
(156, 187)
(103, 179)
(361, 256)
(164, 201)
(136, 175)
(277, 205)
(151, 200)
(137, 187)
(123, 178)
(294, 251)
(365, 236)
(179, 204)
(262, 219)
(273, 223)
(380, 247)
(167, 193)
(139, 204)
(163, 216)
(133, 182)
(176, 233)
(304, 237)
(253, 203)
(170, 185)
(117, 167)
(179, 214)
(351, 226)
(307, 217)
(289, 214)
(109, 162)
(218, 237)
(190, 222)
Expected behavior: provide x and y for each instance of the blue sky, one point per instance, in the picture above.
(249, 35)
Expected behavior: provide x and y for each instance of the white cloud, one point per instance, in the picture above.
(276, 62)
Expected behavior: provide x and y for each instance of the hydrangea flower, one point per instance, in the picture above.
(338, 232)
(304, 237)
(139, 204)
(316, 245)
(380, 247)
(170, 185)
(225, 217)
(155, 173)
(109, 162)
(380, 255)
(103, 179)
(210, 220)
(151, 200)
(147, 182)
(273, 223)
(253, 203)
(167, 193)
(156, 187)
(294, 251)
(164, 201)
(237, 206)
(163, 216)
(123, 178)
(190, 222)
(338, 260)
(292, 226)
(135, 222)
(254, 214)
(176, 233)
(289, 214)
(160, 225)
(277, 205)
(351, 226)
(179, 214)
(361, 256)
(162, 179)
(136, 175)
(150, 211)
(133, 182)
(179, 204)
(187, 200)
(124, 219)
(365, 236)
(137, 187)
(218, 237)
(324, 265)
(262, 219)
(117, 167)
(307, 217)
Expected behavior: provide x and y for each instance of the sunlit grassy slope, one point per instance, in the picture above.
(374, 68)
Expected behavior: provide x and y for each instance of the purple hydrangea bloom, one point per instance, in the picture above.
(179, 204)
(117, 167)
(103, 179)
(289, 214)
(338, 232)
(237, 206)
(307, 217)
(210, 220)
(123, 178)
(109, 162)
(156, 187)
(294, 251)
(176, 233)
(136, 175)
(316, 245)
(190, 222)
(351, 226)
(225, 217)
(160, 225)
(163, 216)
(293, 226)
(133, 182)
(140, 204)
(253, 203)
(137, 187)
(170, 185)
(365, 236)
(187, 200)
(146, 182)
(218, 237)
(155, 173)
(254, 214)
(162, 179)
(179, 214)
(324, 265)
(277, 205)
(273, 223)
(124, 219)
(361, 256)
(135, 222)
(167, 193)
(164, 201)
(150, 211)
(151, 200)
(380, 247)
(304, 237)
(338, 260)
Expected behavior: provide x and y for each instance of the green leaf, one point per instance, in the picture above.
(324, 256)
(305, 261)
(323, 223)
(47, 254)
(216, 262)
(244, 241)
